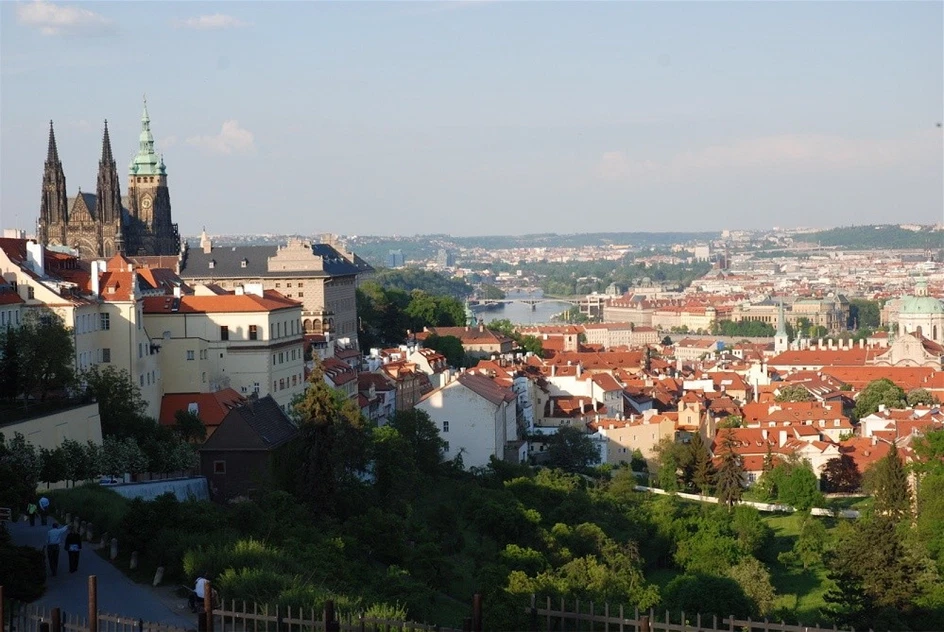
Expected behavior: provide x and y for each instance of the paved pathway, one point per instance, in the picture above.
(117, 594)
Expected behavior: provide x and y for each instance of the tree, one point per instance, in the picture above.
(794, 393)
(189, 427)
(423, 442)
(54, 468)
(9, 365)
(730, 473)
(82, 460)
(920, 396)
(877, 393)
(709, 595)
(841, 474)
(531, 344)
(668, 461)
(754, 579)
(793, 482)
(120, 404)
(450, 346)
(45, 353)
(20, 470)
(570, 449)
(491, 292)
(812, 542)
(888, 482)
(703, 472)
(864, 313)
(327, 462)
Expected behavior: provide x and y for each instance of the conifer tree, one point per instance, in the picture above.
(889, 484)
(703, 472)
(730, 472)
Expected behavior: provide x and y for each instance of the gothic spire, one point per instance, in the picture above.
(52, 153)
(146, 162)
(107, 157)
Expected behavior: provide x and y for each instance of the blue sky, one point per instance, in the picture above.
(487, 117)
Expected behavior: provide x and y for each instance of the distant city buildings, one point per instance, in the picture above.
(395, 259)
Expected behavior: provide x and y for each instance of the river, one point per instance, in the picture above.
(521, 313)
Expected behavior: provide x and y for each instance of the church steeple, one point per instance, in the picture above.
(147, 162)
(108, 190)
(52, 153)
(53, 213)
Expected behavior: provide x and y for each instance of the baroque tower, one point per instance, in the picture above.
(53, 209)
(151, 230)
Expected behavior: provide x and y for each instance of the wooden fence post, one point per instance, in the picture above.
(93, 603)
(644, 625)
(56, 620)
(477, 612)
(331, 623)
(534, 613)
(2, 619)
(207, 605)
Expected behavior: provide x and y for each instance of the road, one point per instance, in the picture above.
(117, 594)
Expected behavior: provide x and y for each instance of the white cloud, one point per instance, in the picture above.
(794, 152)
(232, 139)
(215, 22)
(166, 143)
(56, 19)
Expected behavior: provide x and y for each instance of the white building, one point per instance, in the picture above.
(477, 419)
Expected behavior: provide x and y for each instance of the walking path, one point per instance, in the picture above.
(117, 594)
(815, 511)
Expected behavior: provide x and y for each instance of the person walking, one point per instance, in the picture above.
(31, 510)
(73, 548)
(43, 509)
(53, 540)
(195, 601)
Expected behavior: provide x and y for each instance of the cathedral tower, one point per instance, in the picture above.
(108, 196)
(151, 230)
(53, 210)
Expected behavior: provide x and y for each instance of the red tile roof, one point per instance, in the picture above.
(212, 407)
(271, 301)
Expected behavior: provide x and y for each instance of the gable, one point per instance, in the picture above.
(234, 433)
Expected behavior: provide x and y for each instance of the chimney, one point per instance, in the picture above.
(239, 291)
(481, 327)
(583, 406)
(176, 291)
(36, 257)
(579, 368)
(862, 343)
(97, 268)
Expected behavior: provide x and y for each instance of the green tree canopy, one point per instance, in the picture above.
(793, 393)
(877, 393)
(887, 480)
(449, 346)
(730, 485)
(45, 353)
(570, 449)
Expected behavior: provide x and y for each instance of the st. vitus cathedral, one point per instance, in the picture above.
(106, 223)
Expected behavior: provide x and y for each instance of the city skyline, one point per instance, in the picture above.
(477, 118)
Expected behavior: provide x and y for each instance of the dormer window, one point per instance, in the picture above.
(212, 264)
(243, 263)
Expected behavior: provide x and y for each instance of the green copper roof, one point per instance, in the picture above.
(146, 163)
(920, 305)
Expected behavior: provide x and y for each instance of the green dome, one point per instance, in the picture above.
(921, 305)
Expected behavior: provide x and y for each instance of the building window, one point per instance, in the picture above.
(278, 285)
(253, 332)
(288, 285)
(301, 284)
(224, 332)
(141, 380)
(282, 384)
(106, 355)
(255, 387)
(204, 377)
(189, 354)
(301, 295)
(219, 467)
(445, 446)
(105, 321)
(294, 380)
(29, 292)
(445, 426)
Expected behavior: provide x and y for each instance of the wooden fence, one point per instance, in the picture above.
(592, 617)
(16, 617)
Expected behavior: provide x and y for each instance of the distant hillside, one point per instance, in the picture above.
(876, 236)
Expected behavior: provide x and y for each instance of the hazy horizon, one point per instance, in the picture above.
(487, 118)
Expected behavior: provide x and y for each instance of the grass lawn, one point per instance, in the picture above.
(801, 591)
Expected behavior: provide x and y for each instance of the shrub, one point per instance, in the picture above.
(22, 572)
(101, 506)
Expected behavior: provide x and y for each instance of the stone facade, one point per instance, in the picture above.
(105, 224)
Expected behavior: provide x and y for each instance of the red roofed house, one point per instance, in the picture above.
(411, 383)
(478, 342)
(477, 418)
(340, 375)
(211, 408)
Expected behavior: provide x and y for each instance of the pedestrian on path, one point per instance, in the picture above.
(43, 509)
(31, 510)
(53, 540)
(73, 548)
